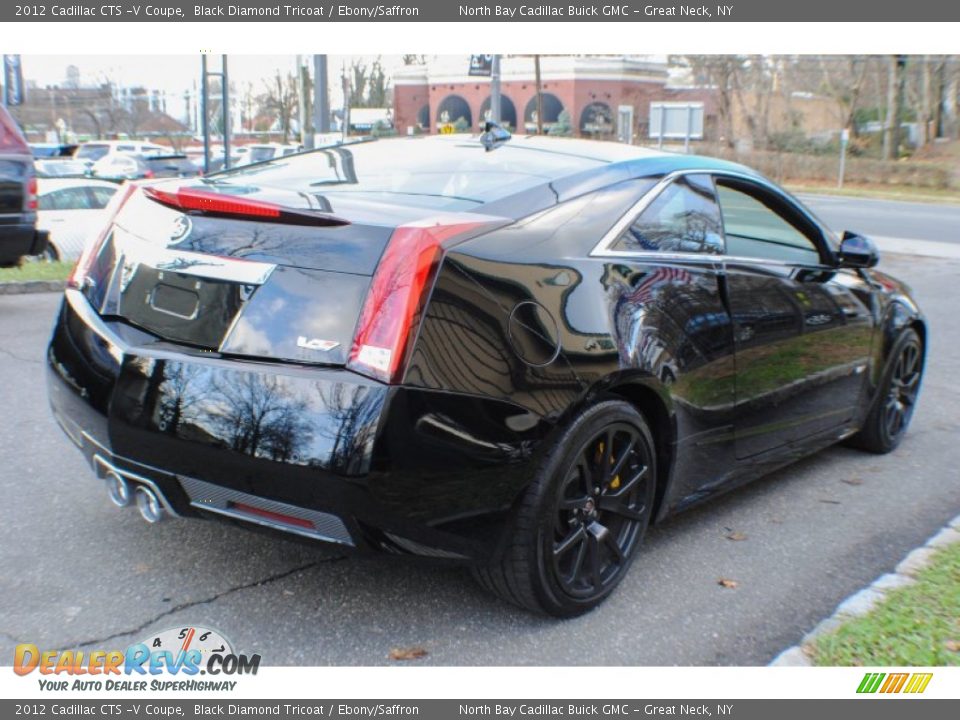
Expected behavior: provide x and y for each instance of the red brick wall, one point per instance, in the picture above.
(407, 101)
(575, 95)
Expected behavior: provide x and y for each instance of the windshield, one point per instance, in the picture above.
(433, 174)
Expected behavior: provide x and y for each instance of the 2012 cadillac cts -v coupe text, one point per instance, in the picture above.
(514, 354)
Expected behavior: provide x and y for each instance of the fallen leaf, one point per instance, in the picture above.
(737, 536)
(952, 645)
(727, 583)
(411, 653)
(853, 481)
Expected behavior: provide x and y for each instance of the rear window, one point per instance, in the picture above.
(261, 154)
(447, 174)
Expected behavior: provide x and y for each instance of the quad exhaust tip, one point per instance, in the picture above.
(118, 489)
(149, 505)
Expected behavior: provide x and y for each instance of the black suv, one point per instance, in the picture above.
(18, 196)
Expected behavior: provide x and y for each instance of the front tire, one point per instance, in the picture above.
(581, 520)
(896, 397)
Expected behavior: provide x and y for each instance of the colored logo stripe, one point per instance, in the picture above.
(894, 682)
(870, 682)
(918, 682)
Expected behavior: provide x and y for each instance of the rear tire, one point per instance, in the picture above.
(581, 520)
(896, 397)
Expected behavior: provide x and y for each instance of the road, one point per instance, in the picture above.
(75, 571)
(887, 218)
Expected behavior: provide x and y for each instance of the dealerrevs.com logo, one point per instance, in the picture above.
(887, 683)
(182, 653)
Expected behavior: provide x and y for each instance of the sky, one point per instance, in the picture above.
(178, 73)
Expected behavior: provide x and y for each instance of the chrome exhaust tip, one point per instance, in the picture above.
(149, 505)
(118, 489)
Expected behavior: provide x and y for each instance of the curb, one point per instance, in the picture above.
(862, 602)
(31, 286)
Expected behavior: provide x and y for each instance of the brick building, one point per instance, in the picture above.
(605, 97)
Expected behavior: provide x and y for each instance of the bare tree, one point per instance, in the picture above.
(260, 416)
(280, 99)
(722, 72)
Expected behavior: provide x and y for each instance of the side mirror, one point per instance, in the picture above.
(857, 251)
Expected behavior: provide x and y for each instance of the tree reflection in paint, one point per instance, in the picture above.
(258, 416)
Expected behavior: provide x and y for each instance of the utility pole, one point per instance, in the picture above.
(346, 102)
(898, 117)
(225, 109)
(321, 96)
(205, 76)
(204, 112)
(304, 116)
(536, 72)
(495, 90)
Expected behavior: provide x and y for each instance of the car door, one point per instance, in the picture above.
(671, 321)
(67, 214)
(802, 328)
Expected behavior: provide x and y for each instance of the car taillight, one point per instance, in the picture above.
(191, 199)
(391, 311)
(148, 174)
(92, 250)
(31, 199)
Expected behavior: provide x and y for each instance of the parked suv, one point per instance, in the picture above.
(18, 196)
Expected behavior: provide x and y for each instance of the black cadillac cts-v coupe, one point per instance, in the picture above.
(515, 353)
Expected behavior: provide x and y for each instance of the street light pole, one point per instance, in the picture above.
(321, 97)
(204, 117)
(536, 71)
(225, 109)
(495, 89)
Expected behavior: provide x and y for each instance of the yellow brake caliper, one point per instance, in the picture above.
(615, 483)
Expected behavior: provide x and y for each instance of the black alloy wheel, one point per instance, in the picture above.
(579, 524)
(903, 389)
(895, 398)
(600, 511)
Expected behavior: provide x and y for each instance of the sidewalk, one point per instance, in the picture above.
(869, 598)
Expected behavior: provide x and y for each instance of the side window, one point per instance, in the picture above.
(684, 217)
(79, 199)
(101, 196)
(49, 201)
(755, 227)
(66, 199)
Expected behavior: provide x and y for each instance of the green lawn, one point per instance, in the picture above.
(917, 624)
(36, 271)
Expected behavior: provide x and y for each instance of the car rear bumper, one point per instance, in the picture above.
(18, 239)
(318, 452)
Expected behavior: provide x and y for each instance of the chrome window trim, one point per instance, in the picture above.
(604, 248)
(134, 251)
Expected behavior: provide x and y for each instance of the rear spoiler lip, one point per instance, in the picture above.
(191, 200)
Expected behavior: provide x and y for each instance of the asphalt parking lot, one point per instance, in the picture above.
(75, 571)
